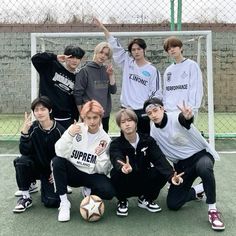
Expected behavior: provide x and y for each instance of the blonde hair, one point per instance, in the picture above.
(128, 112)
(100, 47)
(92, 106)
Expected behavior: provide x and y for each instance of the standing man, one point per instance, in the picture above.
(57, 78)
(140, 79)
(190, 153)
(96, 81)
(139, 167)
(37, 150)
(182, 79)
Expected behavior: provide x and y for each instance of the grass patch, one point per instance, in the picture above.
(225, 125)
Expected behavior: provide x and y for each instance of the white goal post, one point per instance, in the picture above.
(209, 66)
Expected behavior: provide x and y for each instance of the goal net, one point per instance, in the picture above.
(197, 46)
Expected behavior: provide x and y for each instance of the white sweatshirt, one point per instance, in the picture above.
(138, 83)
(179, 143)
(183, 82)
(80, 150)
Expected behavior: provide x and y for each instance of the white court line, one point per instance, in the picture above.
(226, 152)
(9, 155)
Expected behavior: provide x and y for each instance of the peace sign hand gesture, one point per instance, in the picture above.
(177, 179)
(27, 123)
(62, 58)
(126, 167)
(186, 111)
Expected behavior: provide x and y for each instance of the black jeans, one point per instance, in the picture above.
(193, 167)
(27, 172)
(148, 184)
(65, 173)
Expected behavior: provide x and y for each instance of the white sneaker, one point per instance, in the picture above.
(85, 191)
(32, 189)
(64, 212)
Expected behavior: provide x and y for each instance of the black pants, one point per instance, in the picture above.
(148, 184)
(65, 173)
(143, 125)
(105, 123)
(65, 123)
(27, 172)
(196, 166)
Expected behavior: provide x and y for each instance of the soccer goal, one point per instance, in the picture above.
(197, 46)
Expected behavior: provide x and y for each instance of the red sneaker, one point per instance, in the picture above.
(215, 220)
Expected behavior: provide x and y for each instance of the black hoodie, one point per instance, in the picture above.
(92, 82)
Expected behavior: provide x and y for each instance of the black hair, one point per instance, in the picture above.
(152, 101)
(138, 41)
(41, 100)
(74, 51)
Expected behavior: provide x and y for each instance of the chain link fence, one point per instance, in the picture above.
(15, 58)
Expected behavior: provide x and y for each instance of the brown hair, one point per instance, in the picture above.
(172, 42)
(130, 113)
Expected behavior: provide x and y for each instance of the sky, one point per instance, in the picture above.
(127, 11)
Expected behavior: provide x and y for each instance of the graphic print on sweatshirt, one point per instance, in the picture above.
(83, 159)
(63, 83)
(141, 80)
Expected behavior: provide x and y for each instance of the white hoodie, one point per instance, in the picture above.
(80, 150)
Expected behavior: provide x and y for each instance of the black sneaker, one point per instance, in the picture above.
(22, 204)
(122, 208)
(150, 205)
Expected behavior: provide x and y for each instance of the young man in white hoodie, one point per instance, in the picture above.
(82, 158)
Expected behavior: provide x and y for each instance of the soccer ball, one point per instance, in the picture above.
(92, 208)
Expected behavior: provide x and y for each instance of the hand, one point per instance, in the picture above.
(177, 179)
(186, 111)
(97, 22)
(27, 123)
(101, 147)
(126, 167)
(51, 179)
(100, 25)
(74, 129)
(62, 58)
(109, 70)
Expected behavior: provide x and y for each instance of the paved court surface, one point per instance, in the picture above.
(190, 220)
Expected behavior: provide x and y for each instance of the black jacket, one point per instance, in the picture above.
(39, 144)
(57, 83)
(146, 155)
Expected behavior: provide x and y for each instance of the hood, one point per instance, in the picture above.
(93, 64)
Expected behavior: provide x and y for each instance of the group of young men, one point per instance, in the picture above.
(156, 129)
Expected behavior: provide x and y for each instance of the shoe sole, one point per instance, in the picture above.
(121, 214)
(64, 220)
(216, 228)
(22, 210)
(151, 210)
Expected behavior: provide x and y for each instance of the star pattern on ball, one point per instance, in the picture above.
(92, 207)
